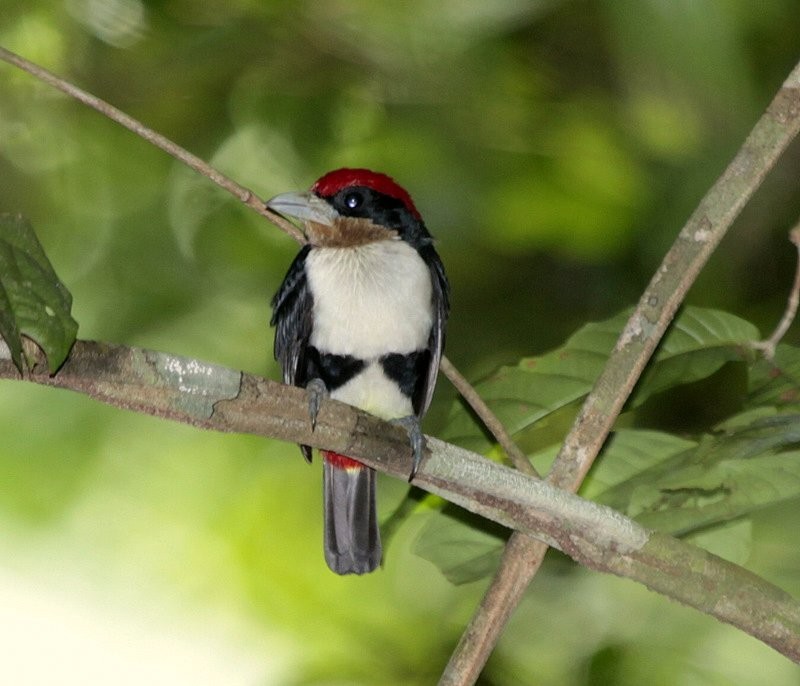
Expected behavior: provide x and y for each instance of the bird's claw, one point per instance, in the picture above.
(416, 439)
(317, 392)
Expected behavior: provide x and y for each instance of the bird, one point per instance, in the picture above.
(360, 317)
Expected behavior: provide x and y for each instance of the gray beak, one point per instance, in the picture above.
(305, 206)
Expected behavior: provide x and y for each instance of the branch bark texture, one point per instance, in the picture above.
(217, 398)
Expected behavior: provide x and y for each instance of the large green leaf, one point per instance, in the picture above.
(629, 453)
(33, 302)
(664, 482)
(549, 387)
(754, 464)
(463, 546)
(465, 550)
(537, 398)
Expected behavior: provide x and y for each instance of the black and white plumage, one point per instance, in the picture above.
(360, 315)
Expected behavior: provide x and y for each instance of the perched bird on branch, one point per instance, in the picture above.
(360, 317)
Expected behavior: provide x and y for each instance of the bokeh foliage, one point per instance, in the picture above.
(554, 149)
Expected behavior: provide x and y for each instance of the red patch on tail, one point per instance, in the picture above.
(341, 461)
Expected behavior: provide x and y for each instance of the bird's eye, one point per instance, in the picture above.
(353, 200)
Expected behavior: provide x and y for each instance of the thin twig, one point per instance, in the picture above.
(657, 306)
(768, 346)
(243, 194)
(489, 418)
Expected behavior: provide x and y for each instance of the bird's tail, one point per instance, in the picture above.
(352, 538)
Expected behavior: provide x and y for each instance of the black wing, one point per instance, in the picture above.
(441, 309)
(291, 316)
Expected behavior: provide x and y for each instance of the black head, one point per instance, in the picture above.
(364, 194)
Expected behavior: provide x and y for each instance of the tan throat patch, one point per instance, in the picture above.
(347, 232)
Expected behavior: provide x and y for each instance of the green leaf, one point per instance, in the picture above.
(628, 453)
(33, 302)
(698, 343)
(730, 540)
(551, 386)
(776, 382)
(465, 550)
(537, 399)
(753, 465)
(464, 547)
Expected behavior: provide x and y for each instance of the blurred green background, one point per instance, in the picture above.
(555, 148)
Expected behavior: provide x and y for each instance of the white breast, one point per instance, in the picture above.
(370, 300)
(373, 391)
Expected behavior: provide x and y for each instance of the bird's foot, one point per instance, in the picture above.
(317, 392)
(416, 439)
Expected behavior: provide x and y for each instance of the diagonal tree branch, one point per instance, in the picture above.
(243, 194)
(648, 323)
(472, 397)
(214, 397)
